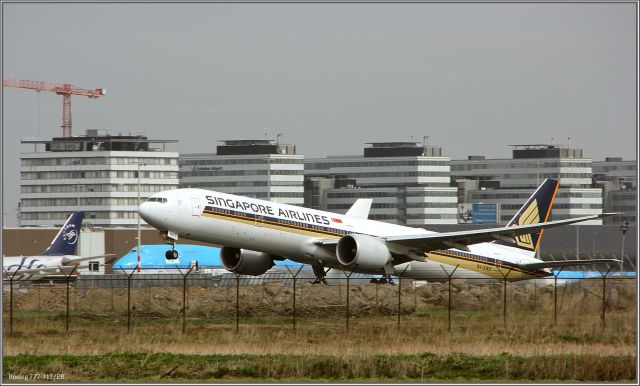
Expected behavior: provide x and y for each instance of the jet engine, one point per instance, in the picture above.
(245, 262)
(362, 251)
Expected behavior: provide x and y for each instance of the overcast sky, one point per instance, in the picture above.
(475, 78)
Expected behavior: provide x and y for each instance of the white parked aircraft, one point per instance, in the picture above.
(254, 233)
(58, 258)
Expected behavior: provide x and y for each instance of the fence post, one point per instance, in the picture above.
(237, 302)
(377, 306)
(226, 296)
(535, 293)
(555, 296)
(67, 279)
(604, 294)
(399, 294)
(111, 284)
(347, 311)
(184, 297)
(11, 278)
(11, 306)
(39, 297)
(449, 275)
(504, 296)
(294, 294)
(129, 295)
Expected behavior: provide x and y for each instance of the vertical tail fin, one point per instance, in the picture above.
(534, 211)
(360, 208)
(66, 240)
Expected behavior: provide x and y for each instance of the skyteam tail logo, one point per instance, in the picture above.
(70, 234)
(66, 240)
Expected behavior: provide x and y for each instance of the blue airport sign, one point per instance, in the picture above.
(485, 214)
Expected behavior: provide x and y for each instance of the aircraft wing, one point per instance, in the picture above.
(461, 239)
(567, 263)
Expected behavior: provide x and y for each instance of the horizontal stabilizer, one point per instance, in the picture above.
(567, 263)
(73, 260)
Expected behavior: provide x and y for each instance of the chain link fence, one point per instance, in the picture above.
(289, 296)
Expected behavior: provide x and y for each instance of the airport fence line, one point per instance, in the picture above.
(289, 293)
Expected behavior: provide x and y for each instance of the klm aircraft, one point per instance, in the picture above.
(153, 259)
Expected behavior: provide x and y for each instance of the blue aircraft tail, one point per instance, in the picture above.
(66, 240)
(536, 210)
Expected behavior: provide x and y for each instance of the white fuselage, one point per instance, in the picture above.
(11, 264)
(292, 231)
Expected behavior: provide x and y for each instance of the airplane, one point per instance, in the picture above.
(153, 260)
(57, 258)
(254, 233)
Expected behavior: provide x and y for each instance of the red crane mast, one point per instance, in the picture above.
(66, 90)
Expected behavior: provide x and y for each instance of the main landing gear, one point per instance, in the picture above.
(171, 254)
(320, 273)
(171, 238)
(385, 279)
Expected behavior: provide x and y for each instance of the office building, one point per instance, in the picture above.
(509, 182)
(262, 169)
(619, 183)
(409, 183)
(96, 173)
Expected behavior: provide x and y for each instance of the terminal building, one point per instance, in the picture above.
(508, 183)
(263, 169)
(409, 183)
(96, 173)
(619, 183)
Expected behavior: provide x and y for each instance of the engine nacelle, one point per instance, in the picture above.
(245, 262)
(363, 252)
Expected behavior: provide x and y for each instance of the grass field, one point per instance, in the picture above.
(286, 368)
(479, 348)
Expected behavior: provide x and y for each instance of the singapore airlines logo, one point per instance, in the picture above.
(70, 234)
(529, 216)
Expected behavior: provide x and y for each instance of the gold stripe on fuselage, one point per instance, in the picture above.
(496, 271)
(273, 225)
(485, 267)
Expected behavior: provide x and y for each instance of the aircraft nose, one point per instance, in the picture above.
(146, 212)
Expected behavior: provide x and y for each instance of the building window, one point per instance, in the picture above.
(94, 266)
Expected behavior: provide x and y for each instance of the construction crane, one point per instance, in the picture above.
(66, 90)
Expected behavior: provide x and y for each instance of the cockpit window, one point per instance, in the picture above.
(157, 199)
